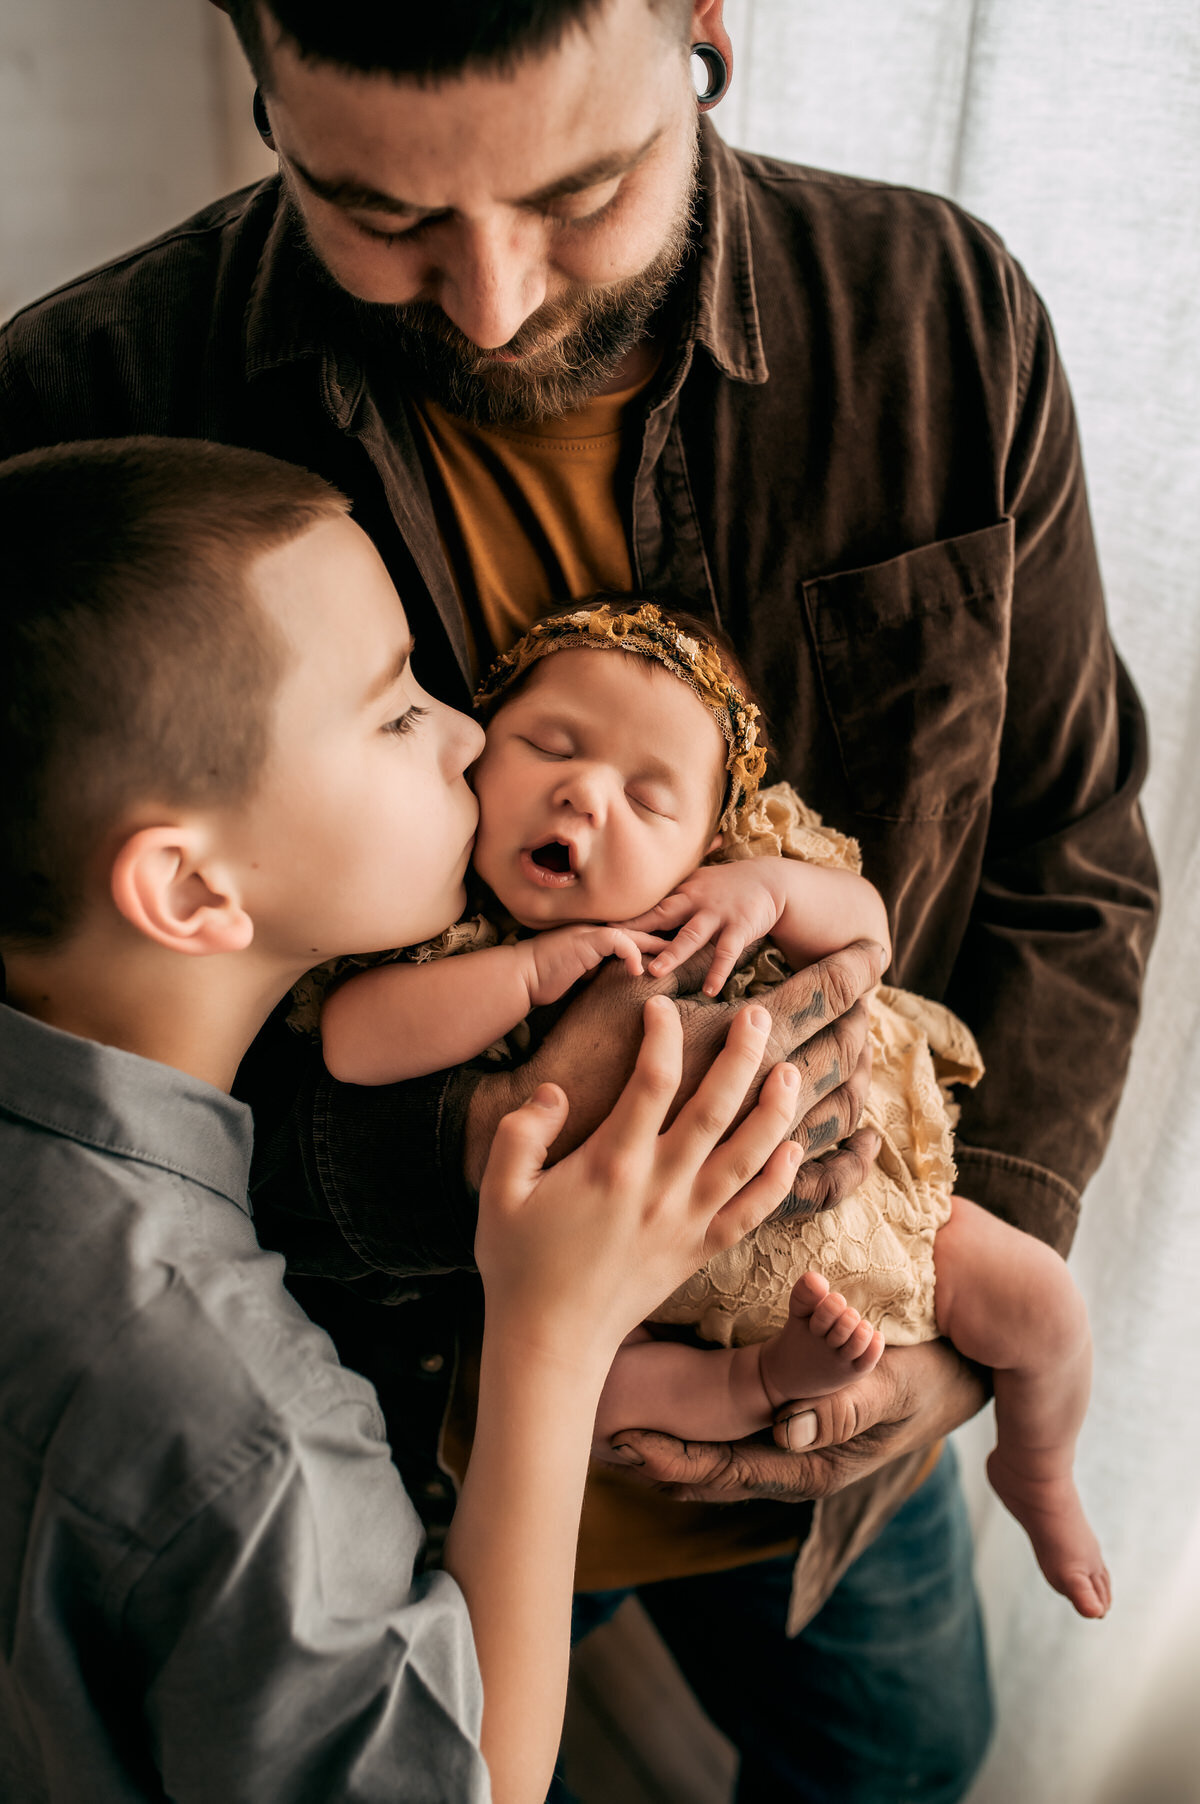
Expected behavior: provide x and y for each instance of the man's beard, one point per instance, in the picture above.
(591, 330)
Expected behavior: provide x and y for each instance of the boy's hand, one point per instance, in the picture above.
(563, 955)
(574, 1256)
(735, 904)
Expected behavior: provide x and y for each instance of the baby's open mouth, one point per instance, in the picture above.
(551, 865)
(553, 856)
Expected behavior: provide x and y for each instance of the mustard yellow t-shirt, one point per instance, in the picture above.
(528, 514)
(530, 521)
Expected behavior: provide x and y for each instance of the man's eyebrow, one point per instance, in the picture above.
(347, 192)
(391, 675)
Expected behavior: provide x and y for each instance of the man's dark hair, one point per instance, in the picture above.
(135, 665)
(425, 42)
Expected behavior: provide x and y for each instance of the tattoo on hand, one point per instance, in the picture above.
(813, 1010)
(830, 1081)
(824, 1134)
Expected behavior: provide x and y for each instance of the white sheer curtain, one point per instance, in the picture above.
(1073, 127)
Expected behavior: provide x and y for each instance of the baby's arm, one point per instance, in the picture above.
(809, 910)
(403, 1020)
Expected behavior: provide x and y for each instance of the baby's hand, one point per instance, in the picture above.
(565, 954)
(735, 904)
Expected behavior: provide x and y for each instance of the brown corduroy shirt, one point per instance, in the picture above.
(859, 454)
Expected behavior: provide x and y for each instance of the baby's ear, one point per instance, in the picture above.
(714, 844)
(166, 886)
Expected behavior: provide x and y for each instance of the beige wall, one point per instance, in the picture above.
(117, 118)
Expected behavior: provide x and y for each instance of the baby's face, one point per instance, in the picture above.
(599, 789)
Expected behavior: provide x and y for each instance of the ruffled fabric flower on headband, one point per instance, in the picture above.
(646, 632)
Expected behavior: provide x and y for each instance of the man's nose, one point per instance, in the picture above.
(493, 277)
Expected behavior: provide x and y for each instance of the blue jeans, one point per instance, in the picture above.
(883, 1697)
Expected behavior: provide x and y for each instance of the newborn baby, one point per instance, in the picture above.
(619, 802)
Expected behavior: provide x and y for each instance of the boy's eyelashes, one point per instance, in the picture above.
(405, 723)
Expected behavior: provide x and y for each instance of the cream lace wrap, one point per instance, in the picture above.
(876, 1247)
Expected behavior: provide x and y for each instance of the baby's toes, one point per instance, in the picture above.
(843, 1328)
(864, 1349)
(830, 1310)
(808, 1291)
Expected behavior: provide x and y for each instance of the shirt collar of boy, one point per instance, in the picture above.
(124, 1105)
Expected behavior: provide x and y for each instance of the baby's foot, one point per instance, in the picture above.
(823, 1345)
(1051, 1514)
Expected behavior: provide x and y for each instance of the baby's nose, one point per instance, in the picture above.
(583, 791)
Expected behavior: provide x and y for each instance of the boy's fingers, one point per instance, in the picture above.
(736, 1161)
(721, 1092)
(523, 1140)
(754, 1202)
(641, 1108)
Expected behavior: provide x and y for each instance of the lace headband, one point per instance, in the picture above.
(646, 632)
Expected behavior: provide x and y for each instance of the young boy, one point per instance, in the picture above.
(206, 1556)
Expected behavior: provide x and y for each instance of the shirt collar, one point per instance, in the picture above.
(725, 319)
(122, 1104)
(293, 313)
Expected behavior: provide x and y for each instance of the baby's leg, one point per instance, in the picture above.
(726, 1393)
(1008, 1301)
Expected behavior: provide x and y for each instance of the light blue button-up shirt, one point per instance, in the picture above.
(206, 1554)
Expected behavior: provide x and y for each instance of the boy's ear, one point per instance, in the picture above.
(714, 844)
(168, 891)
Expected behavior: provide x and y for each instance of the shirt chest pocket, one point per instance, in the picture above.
(912, 657)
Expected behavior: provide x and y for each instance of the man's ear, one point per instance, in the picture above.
(708, 27)
(165, 887)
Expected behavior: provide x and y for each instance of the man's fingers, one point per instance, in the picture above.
(841, 1085)
(522, 1141)
(822, 1183)
(719, 1096)
(815, 999)
(806, 1426)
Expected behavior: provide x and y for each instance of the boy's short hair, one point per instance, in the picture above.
(134, 665)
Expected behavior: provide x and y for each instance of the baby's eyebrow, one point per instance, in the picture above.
(658, 771)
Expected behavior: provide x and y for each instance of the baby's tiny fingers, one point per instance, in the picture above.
(649, 942)
(729, 949)
(668, 913)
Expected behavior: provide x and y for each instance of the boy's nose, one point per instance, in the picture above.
(464, 742)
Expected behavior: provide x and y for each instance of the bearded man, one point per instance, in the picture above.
(521, 303)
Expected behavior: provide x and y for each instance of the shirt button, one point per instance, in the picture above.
(436, 1487)
(432, 1362)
